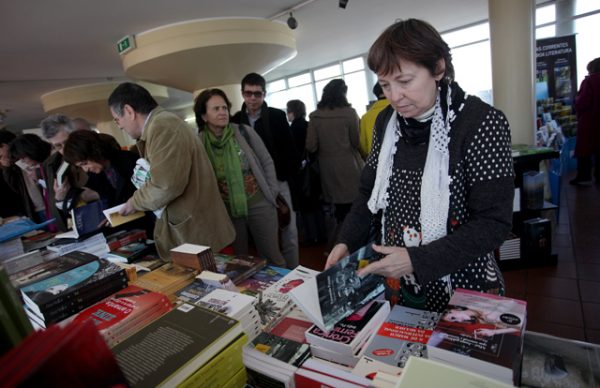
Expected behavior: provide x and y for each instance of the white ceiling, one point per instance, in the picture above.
(50, 45)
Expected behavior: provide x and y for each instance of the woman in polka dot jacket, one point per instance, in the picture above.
(438, 186)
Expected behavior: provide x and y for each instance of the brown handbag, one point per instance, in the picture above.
(283, 212)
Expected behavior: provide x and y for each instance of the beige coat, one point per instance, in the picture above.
(181, 180)
(333, 135)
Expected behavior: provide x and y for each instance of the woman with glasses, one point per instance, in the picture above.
(245, 175)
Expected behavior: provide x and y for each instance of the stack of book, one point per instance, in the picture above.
(482, 333)
(318, 373)
(125, 312)
(167, 279)
(69, 285)
(95, 245)
(510, 248)
(193, 292)
(261, 280)
(27, 260)
(235, 305)
(199, 257)
(181, 344)
(133, 252)
(404, 334)
(275, 302)
(239, 268)
(273, 361)
(125, 237)
(344, 343)
(293, 326)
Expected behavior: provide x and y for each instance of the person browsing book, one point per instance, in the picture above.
(181, 185)
(245, 175)
(437, 188)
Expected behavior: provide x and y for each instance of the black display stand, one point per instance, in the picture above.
(528, 159)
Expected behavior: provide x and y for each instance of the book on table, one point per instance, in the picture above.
(261, 280)
(482, 333)
(94, 244)
(125, 237)
(318, 373)
(63, 294)
(337, 292)
(345, 341)
(404, 334)
(275, 302)
(181, 342)
(167, 279)
(421, 372)
(195, 256)
(293, 326)
(239, 267)
(124, 312)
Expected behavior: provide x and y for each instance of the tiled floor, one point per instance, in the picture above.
(562, 299)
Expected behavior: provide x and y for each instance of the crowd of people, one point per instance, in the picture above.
(426, 175)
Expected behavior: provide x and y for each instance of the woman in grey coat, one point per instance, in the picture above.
(333, 133)
(245, 175)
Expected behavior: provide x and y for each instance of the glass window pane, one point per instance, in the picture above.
(584, 6)
(305, 94)
(275, 86)
(357, 95)
(353, 65)
(319, 85)
(586, 41)
(545, 32)
(277, 99)
(473, 69)
(327, 72)
(299, 80)
(545, 14)
(467, 35)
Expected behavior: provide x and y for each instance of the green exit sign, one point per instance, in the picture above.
(126, 44)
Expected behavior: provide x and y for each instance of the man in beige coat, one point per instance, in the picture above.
(181, 179)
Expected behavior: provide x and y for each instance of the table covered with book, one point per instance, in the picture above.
(227, 321)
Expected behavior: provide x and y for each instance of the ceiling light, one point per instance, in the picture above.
(343, 4)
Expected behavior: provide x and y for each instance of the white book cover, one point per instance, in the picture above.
(233, 304)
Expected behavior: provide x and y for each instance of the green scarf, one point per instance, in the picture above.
(224, 155)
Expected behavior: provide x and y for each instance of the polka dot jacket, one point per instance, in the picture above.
(480, 211)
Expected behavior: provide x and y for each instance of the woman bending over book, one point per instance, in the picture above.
(437, 189)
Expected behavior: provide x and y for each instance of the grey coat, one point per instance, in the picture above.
(334, 135)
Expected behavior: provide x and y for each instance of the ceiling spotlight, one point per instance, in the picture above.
(292, 22)
(343, 4)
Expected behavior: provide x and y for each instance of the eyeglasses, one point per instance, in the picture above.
(248, 93)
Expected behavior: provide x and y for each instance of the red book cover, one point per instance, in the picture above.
(120, 309)
(122, 238)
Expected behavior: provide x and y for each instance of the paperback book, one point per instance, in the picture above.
(180, 342)
(125, 237)
(85, 220)
(261, 280)
(482, 333)
(275, 302)
(404, 334)
(348, 336)
(239, 268)
(337, 292)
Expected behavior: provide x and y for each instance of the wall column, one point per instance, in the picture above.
(512, 41)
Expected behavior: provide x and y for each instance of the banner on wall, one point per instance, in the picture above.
(556, 69)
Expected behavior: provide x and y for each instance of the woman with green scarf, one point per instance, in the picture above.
(245, 174)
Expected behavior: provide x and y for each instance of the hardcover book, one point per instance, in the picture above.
(240, 267)
(180, 342)
(338, 291)
(482, 333)
(85, 220)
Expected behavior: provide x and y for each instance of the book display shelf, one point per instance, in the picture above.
(531, 233)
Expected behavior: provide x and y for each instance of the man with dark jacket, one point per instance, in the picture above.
(272, 126)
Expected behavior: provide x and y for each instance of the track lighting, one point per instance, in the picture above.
(292, 22)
